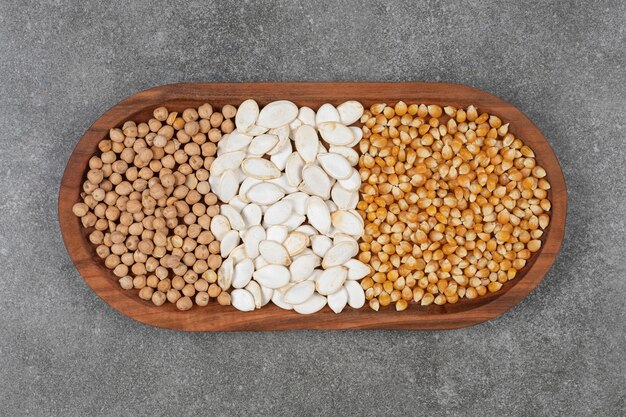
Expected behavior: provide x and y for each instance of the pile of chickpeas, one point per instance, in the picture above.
(454, 204)
(147, 204)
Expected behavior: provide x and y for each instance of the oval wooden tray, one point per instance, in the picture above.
(218, 318)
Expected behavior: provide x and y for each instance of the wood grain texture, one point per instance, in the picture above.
(218, 318)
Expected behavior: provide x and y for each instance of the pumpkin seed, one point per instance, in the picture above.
(228, 243)
(293, 169)
(278, 212)
(226, 161)
(257, 293)
(251, 238)
(338, 300)
(296, 242)
(356, 295)
(350, 111)
(315, 180)
(303, 266)
(307, 143)
(225, 274)
(335, 133)
(272, 276)
(357, 269)
(277, 113)
(260, 168)
(335, 165)
(327, 113)
(339, 254)
(348, 222)
(220, 226)
(331, 280)
(314, 304)
(299, 293)
(262, 144)
(234, 218)
(274, 253)
(264, 193)
(247, 114)
(277, 233)
(318, 215)
(307, 116)
(242, 300)
(251, 215)
(321, 244)
(242, 273)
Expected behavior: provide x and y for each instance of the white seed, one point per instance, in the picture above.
(225, 274)
(282, 133)
(265, 193)
(299, 200)
(335, 165)
(307, 116)
(294, 221)
(348, 222)
(283, 183)
(280, 158)
(256, 130)
(295, 124)
(236, 141)
(296, 242)
(277, 113)
(338, 300)
(220, 226)
(342, 237)
(318, 215)
(259, 262)
(350, 111)
(277, 233)
(307, 230)
(247, 114)
(293, 169)
(266, 294)
(262, 144)
(299, 293)
(335, 133)
(245, 186)
(327, 113)
(331, 280)
(358, 135)
(278, 213)
(321, 244)
(353, 183)
(274, 253)
(307, 143)
(251, 215)
(228, 243)
(243, 273)
(237, 203)
(234, 218)
(315, 181)
(228, 186)
(339, 254)
(303, 266)
(314, 304)
(238, 254)
(277, 299)
(251, 238)
(260, 168)
(350, 154)
(356, 295)
(315, 275)
(357, 269)
(331, 205)
(226, 161)
(242, 300)
(344, 199)
(272, 276)
(255, 289)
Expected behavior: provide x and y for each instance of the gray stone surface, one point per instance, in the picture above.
(64, 352)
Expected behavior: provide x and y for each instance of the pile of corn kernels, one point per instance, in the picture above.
(454, 204)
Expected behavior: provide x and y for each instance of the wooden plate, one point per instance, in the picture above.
(218, 318)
